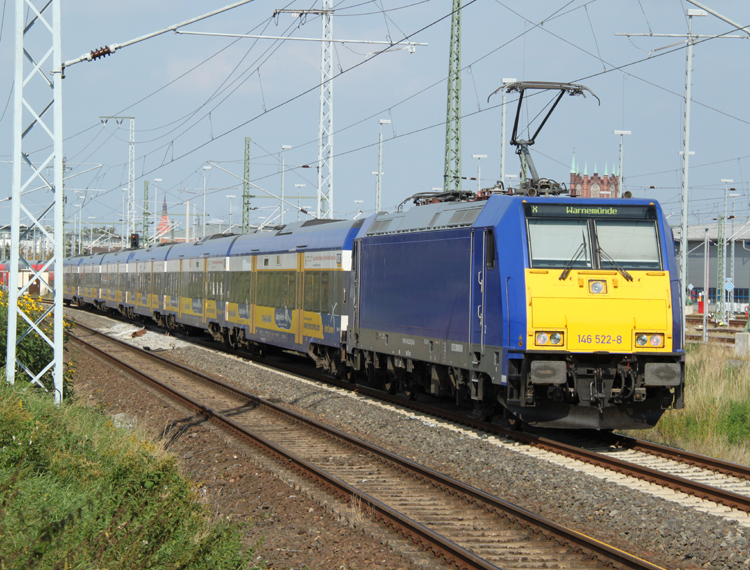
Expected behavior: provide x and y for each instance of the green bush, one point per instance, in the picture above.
(33, 350)
(735, 422)
(77, 492)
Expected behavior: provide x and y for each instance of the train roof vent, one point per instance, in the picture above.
(317, 222)
(454, 218)
(379, 227)
(464, 217)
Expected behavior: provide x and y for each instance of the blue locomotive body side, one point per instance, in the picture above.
(433, 268)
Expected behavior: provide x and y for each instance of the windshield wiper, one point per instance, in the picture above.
(604, 255)
(569, 265)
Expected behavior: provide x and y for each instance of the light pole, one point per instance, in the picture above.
(78, 233)
(156, 208)
(74, 248)
(379, 186)
(91, 233)
(731, 270)
(230, 196)
(509, 177)
(722, 256)
(205, 168)
(359, 210)
(705, 287)
(299, 209)
(506, 81)
(619, 175)
(479, 158)
(284, 148)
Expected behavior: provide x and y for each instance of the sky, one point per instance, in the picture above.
(196, 98)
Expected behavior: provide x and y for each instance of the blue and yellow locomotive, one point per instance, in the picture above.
(564, 311)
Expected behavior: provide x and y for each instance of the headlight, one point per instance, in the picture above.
(542, 338)
(597, 287)
(555, 338)
(656, 340)
(641, 340)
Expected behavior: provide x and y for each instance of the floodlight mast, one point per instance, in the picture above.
(531, 183)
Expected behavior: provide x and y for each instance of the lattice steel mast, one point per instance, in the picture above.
(452, 175)
(325, 130)
(33, 82)
(146, 212)
(246, 189)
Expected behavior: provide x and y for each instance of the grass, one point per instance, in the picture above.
(716, 417)
(76, 492)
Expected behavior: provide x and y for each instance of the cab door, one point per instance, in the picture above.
(355, 286)
(478, 292)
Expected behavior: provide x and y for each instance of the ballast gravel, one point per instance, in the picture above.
(645, 525)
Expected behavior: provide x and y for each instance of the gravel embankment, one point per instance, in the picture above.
(660, 531)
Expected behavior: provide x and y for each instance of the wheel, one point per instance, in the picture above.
(515, 423)
(391, 385)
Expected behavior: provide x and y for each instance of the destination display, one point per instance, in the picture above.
(574, 210)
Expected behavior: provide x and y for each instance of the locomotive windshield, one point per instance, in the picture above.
(618, 244)
(632, 244)
(559, 243)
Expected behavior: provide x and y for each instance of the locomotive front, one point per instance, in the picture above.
(603, 322)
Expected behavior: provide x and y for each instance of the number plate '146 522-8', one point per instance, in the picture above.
(599, 339)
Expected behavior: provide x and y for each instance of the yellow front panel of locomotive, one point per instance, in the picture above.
(595, 311)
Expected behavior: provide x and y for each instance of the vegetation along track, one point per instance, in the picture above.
(467, 527)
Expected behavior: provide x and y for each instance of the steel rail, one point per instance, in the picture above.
(413, 530)
(726, 498)
(718, 339)
(687, 457)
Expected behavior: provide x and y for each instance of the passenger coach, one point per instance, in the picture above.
(285, 289)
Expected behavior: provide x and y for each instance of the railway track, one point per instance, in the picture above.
(466, 526)
(692, 337)
(733, 322)
(707, 478)
(721, 482)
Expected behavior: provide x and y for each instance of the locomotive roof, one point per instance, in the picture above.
(480, 213)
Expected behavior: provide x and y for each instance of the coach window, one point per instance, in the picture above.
(262, 287)
(324, 289)
(312, 291)
(289, 291)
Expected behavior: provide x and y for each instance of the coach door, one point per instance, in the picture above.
(478, 292)
(354, 293)
(299, 314)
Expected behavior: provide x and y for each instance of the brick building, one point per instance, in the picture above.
(594, 186)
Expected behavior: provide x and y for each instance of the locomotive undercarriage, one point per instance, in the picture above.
(601, 391)
(394, 373)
